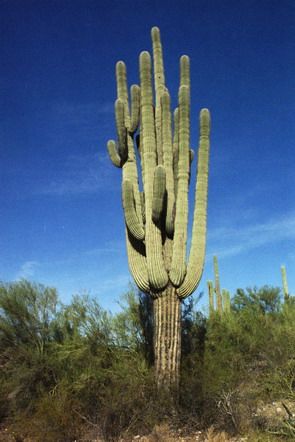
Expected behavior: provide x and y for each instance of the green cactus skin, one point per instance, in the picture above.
(131, 219)
(159, 191)
(114, 154)
(217, 285)
(225, 301)
(285, 283)
(211, 297)
(156, 216)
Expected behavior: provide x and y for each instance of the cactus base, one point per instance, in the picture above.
(167, 339)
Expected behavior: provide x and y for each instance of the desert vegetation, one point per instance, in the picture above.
(71, 372)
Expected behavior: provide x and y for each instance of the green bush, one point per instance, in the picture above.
(76, 371)
(249, 355)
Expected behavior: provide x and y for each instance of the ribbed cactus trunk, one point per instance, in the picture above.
(167, 338)
(156, 209)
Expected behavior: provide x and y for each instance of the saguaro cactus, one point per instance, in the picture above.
(222, 302)
(211, 297)
(217, 285)
(156, 216)
(285, 283)
(225, 301)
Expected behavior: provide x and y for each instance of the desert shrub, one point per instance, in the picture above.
(68, 369)
(192, 358)
(27, 315)
(249, 356)
(76, 370)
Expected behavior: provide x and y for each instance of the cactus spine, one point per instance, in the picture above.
(156, 216)
(285, 283)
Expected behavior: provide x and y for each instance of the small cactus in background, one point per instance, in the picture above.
(225, 300)
(156, 216)
(217, 285)
(285, 283)
(211, 297)
(222, 297)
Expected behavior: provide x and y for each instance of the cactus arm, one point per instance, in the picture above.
(121, 77)
(158, 276)
(137, 262)
(131, 173)
(135, 107)
(122, 89)
(178, 265)
(168, 162)
(136, 250)
(175, 148)
(159, 84)
(159, 192)
(121, 130)
(132, 222)
(122, 123)
(113, 154)
(185, 71)
(198, 243)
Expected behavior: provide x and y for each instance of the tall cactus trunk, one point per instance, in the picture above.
(167, 339)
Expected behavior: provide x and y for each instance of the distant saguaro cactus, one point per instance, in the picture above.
(285, 283)
(156, 216)
(211, 297)
(222, 303)
(217, 285)
(225, 301)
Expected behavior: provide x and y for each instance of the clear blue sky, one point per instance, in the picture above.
(61, 220)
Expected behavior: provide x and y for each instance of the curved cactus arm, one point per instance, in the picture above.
(159, 192)
(158, 276)
(135, 107)
(123, 122)
(113, 154)
(133, 224)
(137, 262)
(178, 265)
(159, 81)
(168, 162)
(130, 173)
(198, 244)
